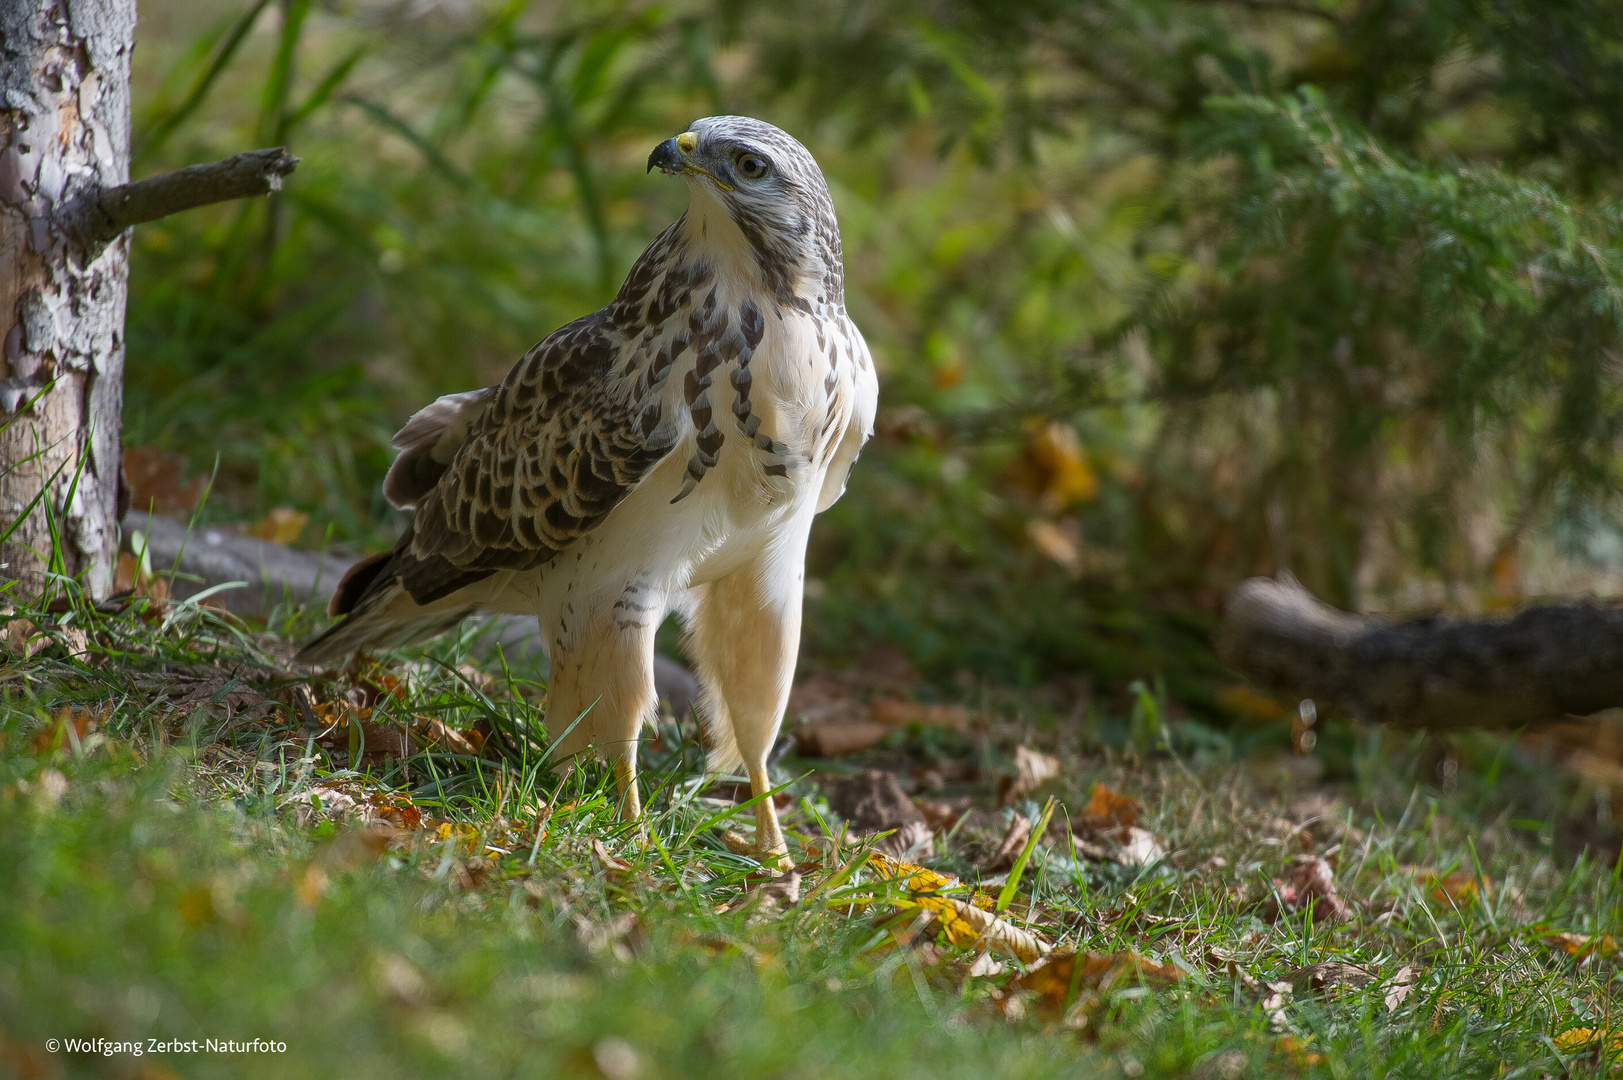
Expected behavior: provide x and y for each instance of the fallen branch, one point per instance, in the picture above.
(1438, 672)
(101, 217)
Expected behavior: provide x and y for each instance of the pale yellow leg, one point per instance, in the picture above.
(769, 841)
(625, 774)
(744, 636)
(603, 673)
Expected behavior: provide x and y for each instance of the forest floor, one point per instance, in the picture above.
(379, 874)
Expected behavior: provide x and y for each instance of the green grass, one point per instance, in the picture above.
(169, 876)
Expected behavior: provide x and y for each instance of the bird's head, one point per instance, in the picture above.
(771, 188)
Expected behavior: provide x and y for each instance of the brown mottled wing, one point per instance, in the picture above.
(562, 441)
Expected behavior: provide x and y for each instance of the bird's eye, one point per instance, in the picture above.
(751, 166)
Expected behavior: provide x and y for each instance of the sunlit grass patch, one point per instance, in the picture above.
(187, 856)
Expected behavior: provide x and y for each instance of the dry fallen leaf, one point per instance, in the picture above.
(1060, 976)
(1582, 1038)
(1014, 841)
(964, 923)
(1108, 810)
(448, 738)
(615, 869)
(902, 713)
(1309, 884)
(1582, 945)
(70, 726)
(1456, 887)
(838, 740)
(1032, 769)
(1053, 467)
(1399, 989)
(128, 577)
(283, 525)
(1331, 975)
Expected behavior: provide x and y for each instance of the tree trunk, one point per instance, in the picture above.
(1489, 672)
(64, 139)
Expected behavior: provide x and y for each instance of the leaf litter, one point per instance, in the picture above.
(1049, 955)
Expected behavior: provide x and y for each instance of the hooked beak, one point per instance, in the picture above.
(669, 157)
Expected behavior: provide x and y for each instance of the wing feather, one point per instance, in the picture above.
(555, 448)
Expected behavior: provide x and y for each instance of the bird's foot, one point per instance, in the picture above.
(776, 859)
(779, 860)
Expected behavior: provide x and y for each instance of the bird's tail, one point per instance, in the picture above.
(378, 614)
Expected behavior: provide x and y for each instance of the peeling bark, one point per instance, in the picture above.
(65, 211)
(64, 135)
(1489, 672)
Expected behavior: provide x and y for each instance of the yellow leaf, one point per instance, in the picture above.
(283, 525)
(1457, 887)
(465, 834)
(966, 924)
(1580, 1038)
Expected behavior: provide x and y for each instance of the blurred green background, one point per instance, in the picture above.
(1163, 294)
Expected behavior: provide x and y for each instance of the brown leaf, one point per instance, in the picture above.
(838, 740)
(896, 713)
(1057, 977)
(614, 868)
(1582, 945)
(1310, 884)
(23, 639)
(448, 738)
(70, 726)
(1137, 847)
(1399, 989)
(1108, 811)
(1052, 466)
(398, 810)
(1060, 542)
(1032, 769)
(1331, 975)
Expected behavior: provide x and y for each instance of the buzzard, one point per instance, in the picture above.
(664, 454)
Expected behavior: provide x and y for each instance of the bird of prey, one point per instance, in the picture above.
(666, 453)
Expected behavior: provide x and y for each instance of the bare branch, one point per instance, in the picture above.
(1489, 672)
(101, 218)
